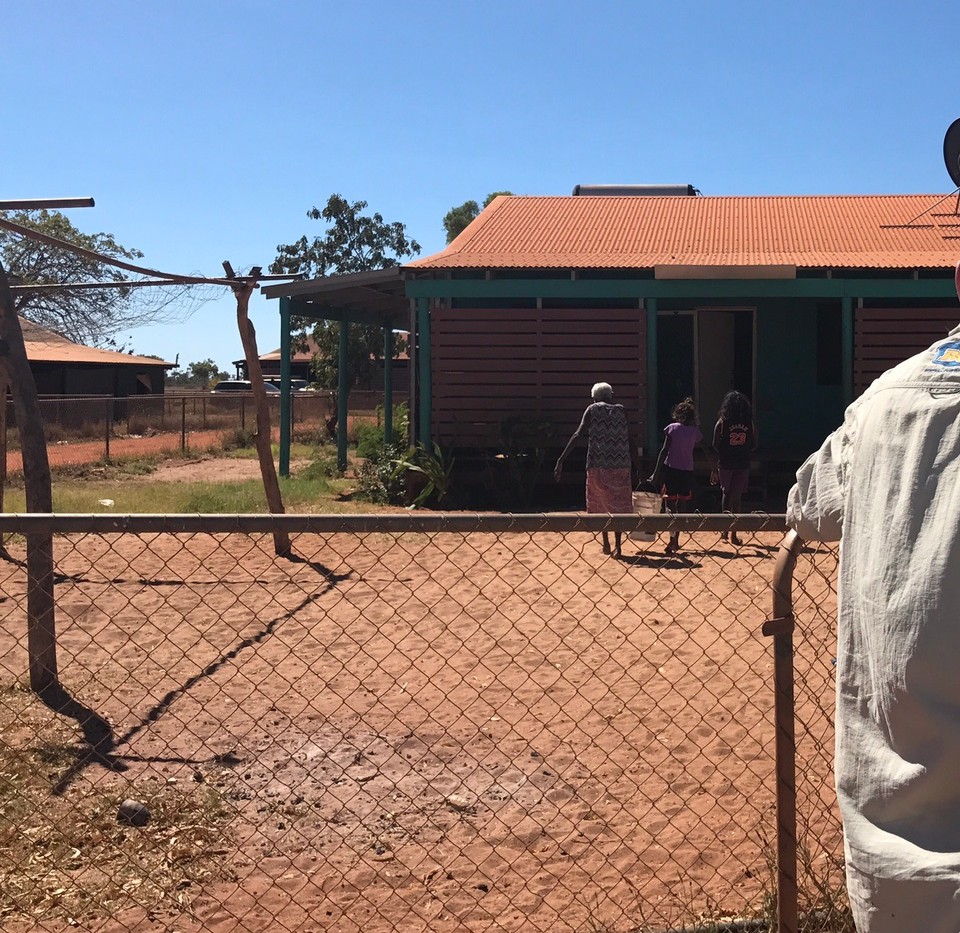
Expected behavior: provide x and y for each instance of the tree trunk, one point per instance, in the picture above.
(263, 436)
(4, 382)
(41, 620)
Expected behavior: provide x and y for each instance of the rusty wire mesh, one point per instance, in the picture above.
(820, 857)
(496, 727)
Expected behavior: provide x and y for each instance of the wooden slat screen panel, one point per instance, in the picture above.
(884, 337)
(490, 364)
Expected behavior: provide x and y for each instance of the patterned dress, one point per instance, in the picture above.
(608, 458)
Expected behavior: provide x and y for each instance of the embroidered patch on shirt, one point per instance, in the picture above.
(948, 355)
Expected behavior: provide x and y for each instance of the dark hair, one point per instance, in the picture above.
(685, 412)
(735, 407)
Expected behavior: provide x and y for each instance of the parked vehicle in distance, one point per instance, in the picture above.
(296, 385)
(233, 386)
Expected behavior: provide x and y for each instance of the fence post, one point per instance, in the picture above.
(106, 455)
(243, 413)
(3, 442)
(781, 628)
(183, 423)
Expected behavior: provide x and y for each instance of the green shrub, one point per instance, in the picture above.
(434, 468)
(238, 439)
(323, 466)
(369, 440)
(312, 437)
(370, 436)
(515, 472)
(378, 479)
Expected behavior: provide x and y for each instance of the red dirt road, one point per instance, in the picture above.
(93, 451)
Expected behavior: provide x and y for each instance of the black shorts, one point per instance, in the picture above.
(677, 484)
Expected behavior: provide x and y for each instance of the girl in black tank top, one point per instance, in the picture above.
(734, 440)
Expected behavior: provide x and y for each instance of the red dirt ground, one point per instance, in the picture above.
(440, 732)
(80, 452)
(77, 454)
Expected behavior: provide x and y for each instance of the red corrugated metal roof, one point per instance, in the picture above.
(299, 356)
(823, 231)
(46, 346)
(306, 356)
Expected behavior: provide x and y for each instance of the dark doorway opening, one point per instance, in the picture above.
(724, 359)
(675, 363)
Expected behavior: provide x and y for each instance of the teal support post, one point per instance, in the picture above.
(847, 344)
(423, 358)
(343, 390)
(285, 406)
(653, 432)
(388, 383)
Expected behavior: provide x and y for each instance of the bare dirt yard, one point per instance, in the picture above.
(213, 469)
(424, 732)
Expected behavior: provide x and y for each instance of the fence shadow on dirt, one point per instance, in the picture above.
(427, 721)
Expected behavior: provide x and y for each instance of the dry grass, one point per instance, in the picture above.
(823, 906)
(66, 856)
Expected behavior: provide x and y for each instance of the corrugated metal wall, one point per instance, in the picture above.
(884, 337)
(490, 364)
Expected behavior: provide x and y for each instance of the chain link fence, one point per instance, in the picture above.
(89, 430)
(819, 837)
(416, 723)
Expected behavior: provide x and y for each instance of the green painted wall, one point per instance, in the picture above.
(793, 412)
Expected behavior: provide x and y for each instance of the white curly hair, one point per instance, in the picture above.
(602, 392)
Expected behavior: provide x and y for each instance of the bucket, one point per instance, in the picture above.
(645, 503)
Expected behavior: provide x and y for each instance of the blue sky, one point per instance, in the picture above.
(205, 131)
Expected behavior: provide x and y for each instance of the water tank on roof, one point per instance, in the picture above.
(627, 191)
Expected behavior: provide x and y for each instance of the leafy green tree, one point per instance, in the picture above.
(457, 219)
(89, 316)
(204, 372)
(352, 242)
(197, 375)
(496, 194)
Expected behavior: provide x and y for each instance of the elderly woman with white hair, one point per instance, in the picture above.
(610, 452)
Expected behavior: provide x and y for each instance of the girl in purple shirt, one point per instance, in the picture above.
(674, 470)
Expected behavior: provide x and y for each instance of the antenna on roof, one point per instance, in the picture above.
(951, 155)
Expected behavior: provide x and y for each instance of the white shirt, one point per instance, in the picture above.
(888, 481)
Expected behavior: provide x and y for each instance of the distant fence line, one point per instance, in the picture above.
(105, 425)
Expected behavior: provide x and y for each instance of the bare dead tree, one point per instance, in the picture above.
(4, 383)
(243, 288)
(15, 371)
(41, 620)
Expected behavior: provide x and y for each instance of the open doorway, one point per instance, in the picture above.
(703, 354)
(724, 358)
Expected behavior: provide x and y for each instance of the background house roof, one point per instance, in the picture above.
(47, 346)
(299, 356)
(304, 356)
(823, 231)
